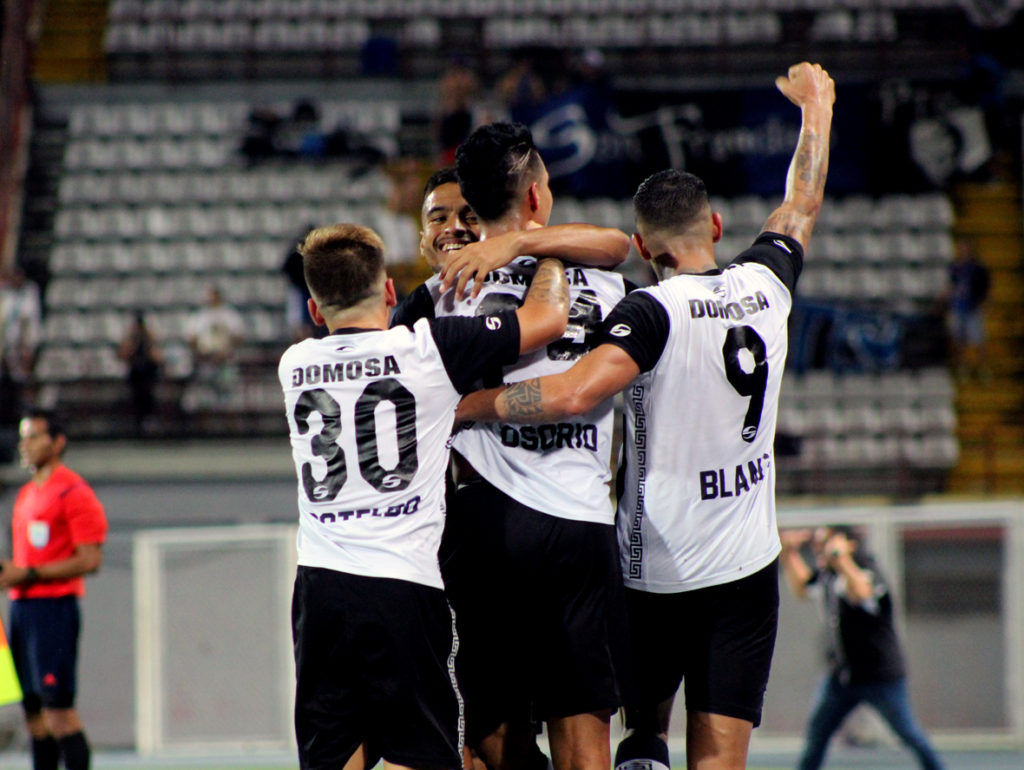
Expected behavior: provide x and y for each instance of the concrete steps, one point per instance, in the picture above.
(70, 47)
(990, 406)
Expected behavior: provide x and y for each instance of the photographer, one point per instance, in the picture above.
(865, 661)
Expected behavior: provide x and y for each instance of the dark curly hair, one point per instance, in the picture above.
(495, 164)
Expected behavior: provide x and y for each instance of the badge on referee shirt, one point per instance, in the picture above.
(38, 533)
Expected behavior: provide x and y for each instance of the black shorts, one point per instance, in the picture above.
(374, 661)
(540, 611)
(719, 640)
(44, 645)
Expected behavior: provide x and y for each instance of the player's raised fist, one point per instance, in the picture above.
(806, 82)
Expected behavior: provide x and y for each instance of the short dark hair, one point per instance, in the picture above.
(54, 426)
(493, 165)
(669, 200)
(442, 176)
(846, 530)
(342, 264)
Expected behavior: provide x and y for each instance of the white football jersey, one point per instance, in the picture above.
(563, 468)
(370, 415)
(697, 505)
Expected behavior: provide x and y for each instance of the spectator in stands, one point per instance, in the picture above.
(300, 325)
(865, 661)
(20, 322)
(141, 351)
(300, 135)
(260, 140)
(521, 88)
(969, 288)
(458, 87)
(213, 334)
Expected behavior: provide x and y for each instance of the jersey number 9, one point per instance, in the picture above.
(751, 384)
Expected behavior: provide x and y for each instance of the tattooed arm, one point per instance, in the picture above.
(598, 375)
(811, 89)
(545, 310)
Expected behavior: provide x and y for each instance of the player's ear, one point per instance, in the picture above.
(390, 295)
(533, 196)
(716, 226)
(314, 312)
(638, 241)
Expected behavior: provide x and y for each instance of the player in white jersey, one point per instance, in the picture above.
(370, 412)
(533, 569)
(702, 354)
(450, 239)
(450, 235)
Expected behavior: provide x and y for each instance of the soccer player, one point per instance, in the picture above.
(703, 354)
(450, 230)
(533, 570)
(449, 227)
(58, 529)
(370, 412)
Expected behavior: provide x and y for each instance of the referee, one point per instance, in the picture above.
(58, 529)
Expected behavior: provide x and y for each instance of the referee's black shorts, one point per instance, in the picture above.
(374, 661)
(44, 645)
(540, 611)
(718, 640)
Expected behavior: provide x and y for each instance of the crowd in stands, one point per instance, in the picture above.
(180, 199)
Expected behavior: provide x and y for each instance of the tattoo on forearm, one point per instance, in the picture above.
(811, 163)
(549, 284)
(805, 188)
(523, 399)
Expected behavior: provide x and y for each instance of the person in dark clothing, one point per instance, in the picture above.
(969, 288)
(865, 660)
(141, 351)
(300, 325)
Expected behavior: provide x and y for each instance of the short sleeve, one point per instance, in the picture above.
(86, 519)
(779, 253)
(639, 325)
(419, 304)
(471, 346)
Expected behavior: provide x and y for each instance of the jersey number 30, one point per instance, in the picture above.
(751, 384)
(325, 443)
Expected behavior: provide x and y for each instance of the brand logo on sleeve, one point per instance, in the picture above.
(620, 330)
(493, 323)
(782, 246)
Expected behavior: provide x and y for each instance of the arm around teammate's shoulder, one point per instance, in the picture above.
(811, 89)
(597, 376)
(588, 245)
(583, 244)
(544, 314)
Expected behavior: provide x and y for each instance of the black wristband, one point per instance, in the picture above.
(32, 576)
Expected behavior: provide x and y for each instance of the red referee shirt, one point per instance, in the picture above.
(49, 521)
